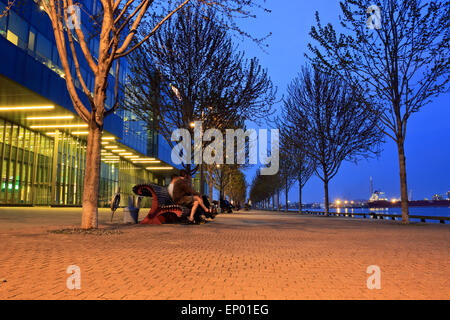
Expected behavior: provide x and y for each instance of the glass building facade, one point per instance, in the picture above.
(36, 169)
(42, 162)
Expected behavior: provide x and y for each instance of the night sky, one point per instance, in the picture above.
(428, 132)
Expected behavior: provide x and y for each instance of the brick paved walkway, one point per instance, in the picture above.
(246, 256)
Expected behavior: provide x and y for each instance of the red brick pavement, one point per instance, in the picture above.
(245, 256)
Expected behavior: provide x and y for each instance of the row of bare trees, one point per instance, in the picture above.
(395, 69)
(322, 124)
(198, 75)
(191, 71)
(366, 83)
(327, 124)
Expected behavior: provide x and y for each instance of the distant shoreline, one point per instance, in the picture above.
(415, 203)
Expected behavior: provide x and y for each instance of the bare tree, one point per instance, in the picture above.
(237, 187)
(324, 113)
(116, 24)
(200, 75)
(218, 174)
(399, 64)
(7, 8)
(263, 188)
(286, 174)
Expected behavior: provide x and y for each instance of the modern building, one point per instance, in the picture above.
(42, 139)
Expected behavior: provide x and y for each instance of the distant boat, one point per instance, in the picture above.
(378, 196)
(379, 200)
(415, 203)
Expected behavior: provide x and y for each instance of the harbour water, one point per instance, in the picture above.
(419, 211)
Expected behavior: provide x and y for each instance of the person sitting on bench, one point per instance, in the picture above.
(184, 194)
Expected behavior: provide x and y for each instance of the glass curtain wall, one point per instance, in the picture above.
(25, 166)
(129, 176)
(69, 170)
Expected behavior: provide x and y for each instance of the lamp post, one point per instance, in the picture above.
(192, 125)
(202, 187)
(220, 182)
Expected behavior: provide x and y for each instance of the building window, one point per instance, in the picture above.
(12, 38)
(43, 47)
(31, 41)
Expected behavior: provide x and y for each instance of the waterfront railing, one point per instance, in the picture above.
(380, 216)
(368, 215)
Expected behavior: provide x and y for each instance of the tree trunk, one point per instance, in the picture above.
(210, 187)
(327, 203)
(91, 178)
(403, 184)
(299, 194)
(202, 187)
(221, 188)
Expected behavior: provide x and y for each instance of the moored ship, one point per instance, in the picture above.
(379, 200)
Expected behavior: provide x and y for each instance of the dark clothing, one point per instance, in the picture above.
(206, 201)
(186, 201)
(183, 193)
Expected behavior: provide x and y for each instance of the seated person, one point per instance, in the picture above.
(184, 194)
(225, 206)
(212, 211)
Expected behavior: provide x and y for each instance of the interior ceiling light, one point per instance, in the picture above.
(60, 126)
(80, 132)
(108, 138)
(146, 161)
(111, 147)
(26, 108)
(126, 154)
(50, 118)
(159, 168)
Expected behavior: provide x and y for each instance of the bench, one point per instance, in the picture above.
(163, 209)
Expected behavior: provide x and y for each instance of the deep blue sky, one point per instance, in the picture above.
(428, 136)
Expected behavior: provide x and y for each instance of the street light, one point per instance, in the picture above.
(192, 125)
